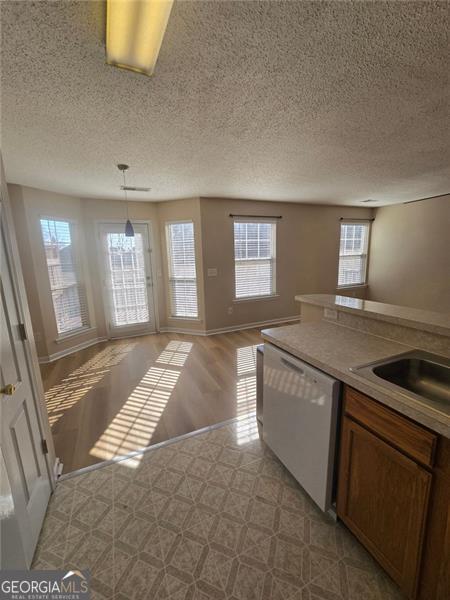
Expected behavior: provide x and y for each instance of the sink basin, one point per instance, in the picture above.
(422, 375)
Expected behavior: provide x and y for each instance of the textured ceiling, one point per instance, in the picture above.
(331, 102)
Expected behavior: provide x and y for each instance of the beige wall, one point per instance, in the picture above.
(410, 255)
(307, 257)
(30, 204)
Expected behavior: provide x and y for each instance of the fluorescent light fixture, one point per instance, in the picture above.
(134, 33)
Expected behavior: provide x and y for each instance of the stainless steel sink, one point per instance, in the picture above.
(421, 375)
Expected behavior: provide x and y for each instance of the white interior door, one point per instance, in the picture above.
(128, 279)
(22, 453)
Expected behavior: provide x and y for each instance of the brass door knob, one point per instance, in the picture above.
(8, 390)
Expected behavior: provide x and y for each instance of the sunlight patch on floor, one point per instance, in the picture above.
(63, 396)
(246, 360)
(134, 425)
(246, 428)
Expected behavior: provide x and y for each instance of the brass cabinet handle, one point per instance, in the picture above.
(8, 390)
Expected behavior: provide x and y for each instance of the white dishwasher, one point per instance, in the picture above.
(300, 411)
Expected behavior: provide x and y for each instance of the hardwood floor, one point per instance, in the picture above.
(122, 395)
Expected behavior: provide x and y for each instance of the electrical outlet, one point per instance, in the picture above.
(330, 313)
(212, 272)
(230, 310)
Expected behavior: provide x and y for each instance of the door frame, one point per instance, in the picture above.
(31, 357)
(153, 272)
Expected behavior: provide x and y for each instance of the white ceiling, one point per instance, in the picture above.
(330, 102)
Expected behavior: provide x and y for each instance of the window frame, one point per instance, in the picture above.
(273, 293)
(367, 223)
(170, 278)
(79, 274)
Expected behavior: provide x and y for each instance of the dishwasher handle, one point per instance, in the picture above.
(290, 365)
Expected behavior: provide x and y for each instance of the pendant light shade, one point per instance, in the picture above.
(129, 229)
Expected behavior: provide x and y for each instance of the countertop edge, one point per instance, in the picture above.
(361, 384)
(370, 314)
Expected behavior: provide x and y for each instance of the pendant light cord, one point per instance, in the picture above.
(125, 192)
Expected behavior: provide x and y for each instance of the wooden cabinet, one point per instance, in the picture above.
(383, 499)
(434, 581)
(394, 494)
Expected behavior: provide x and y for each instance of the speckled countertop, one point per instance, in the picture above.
(335, 348)
(425, 320)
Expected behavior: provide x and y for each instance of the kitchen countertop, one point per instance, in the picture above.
(425, 320)
(335, 348)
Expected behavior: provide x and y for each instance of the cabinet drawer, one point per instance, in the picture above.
(414, 440)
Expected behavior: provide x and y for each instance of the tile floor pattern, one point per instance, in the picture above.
(211, 517)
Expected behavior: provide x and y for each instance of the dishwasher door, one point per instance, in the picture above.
(301, 407)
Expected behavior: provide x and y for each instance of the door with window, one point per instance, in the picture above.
(128, 280)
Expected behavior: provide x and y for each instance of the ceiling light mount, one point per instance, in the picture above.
(135, 188)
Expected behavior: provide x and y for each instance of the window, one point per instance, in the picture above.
(126, 277)
(254, 258)
(182, 273)
(68, 293)
(353, 254)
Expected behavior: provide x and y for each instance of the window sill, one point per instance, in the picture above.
(256, 298)
(195, 319)
(71, 334)
(350, 287)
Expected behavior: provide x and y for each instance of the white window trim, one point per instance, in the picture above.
(273, 293)
(363, 283)
(65, 336)
(61, 337)
(256, 298)
(169, 278)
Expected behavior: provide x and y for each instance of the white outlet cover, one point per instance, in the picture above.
(212, 272)
(330, 313)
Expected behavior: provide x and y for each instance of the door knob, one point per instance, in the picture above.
(8, 390)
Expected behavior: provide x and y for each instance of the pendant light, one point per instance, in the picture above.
(129, 230)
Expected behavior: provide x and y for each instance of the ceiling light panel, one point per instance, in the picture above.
(134, 33)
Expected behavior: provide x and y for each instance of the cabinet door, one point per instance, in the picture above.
(383, 498)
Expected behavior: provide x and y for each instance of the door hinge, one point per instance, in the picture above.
(22, 332)
(44, 447)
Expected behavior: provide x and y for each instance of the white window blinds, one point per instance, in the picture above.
(126, 278)
(67, 289)
(353, 254)
(254, 258)
(182, 272)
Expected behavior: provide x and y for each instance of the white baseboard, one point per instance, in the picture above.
(206, 332)
(52, 357)
(252, 325)
(202, 332)
(181, 330)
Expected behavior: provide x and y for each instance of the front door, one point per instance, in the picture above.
(128, 280)
(25, 484)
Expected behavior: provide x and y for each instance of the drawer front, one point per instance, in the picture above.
(414, 440)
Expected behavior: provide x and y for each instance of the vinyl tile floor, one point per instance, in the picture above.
(214, 516)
